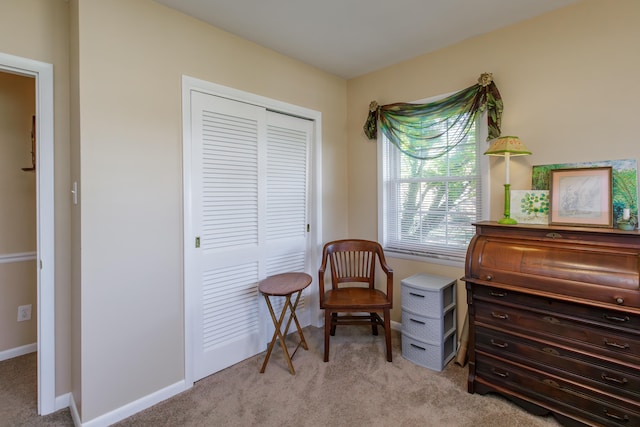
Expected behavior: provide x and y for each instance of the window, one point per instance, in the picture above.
(427, 207)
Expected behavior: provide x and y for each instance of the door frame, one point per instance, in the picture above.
(190, 84)
(43, 74)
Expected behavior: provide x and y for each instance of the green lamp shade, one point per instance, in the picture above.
(507, 145)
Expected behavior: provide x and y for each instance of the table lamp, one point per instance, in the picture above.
(507, 146)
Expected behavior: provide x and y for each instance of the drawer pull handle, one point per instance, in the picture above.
(552, 351)
(499, 344)
(551, 319)
(417, 321)
(489, 277)
(623, 418)
(552, 383)
(554, 235)
(499, 373)
(498, 294)
(416, 295)
(624, 346)
(616, 318)
(619, 301)
(620, 381)
(499, 315)
(418, 347)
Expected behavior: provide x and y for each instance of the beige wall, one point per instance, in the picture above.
(18, 282)
(131, 58)
(37, 30)
(569, 81)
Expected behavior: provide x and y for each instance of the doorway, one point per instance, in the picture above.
(45, 259)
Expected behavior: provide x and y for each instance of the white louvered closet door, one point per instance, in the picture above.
(249, 204)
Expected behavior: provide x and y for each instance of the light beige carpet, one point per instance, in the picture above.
(19, 395)
(357, 387)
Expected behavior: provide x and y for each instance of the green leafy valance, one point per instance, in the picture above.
(417, 129)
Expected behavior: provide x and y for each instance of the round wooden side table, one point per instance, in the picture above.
(284, 285)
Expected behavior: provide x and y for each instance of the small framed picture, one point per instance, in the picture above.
(530, 206)
(581, 197)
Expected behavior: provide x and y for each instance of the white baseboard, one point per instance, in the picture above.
(18, 351)
(61, 402)
(75, 416)
(130, 408)
(18, 257)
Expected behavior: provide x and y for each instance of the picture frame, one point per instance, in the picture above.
(530, 206)
(581, 197)
(624, 185)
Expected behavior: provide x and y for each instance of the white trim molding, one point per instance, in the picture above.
(18, 257)
(18, 351)
(129, 409)
(43, 74)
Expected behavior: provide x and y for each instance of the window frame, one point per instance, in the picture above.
(485, 196)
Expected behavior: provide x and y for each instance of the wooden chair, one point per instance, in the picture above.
(353, 299)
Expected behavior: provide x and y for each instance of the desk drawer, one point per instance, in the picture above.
(597, 315)
(598, 373)
(603, 341)
(554, 391)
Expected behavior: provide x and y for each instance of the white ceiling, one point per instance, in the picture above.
(349, 38)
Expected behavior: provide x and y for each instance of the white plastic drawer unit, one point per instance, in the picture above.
(428, 329)
(429, 320)
(428, 294)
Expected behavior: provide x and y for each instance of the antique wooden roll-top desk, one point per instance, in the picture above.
(554, 320)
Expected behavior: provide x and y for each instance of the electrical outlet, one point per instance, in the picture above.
(24, 312)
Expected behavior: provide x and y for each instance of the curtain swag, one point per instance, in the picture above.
(404, 123)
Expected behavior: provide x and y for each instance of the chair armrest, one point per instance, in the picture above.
(383, 264)
(389, 273)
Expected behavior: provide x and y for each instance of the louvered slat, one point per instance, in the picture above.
(230, 303)
(229, 181)
(286, 182)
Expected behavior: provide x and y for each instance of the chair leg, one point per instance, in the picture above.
(334, 321)
(374, 324)
(387, 333)
(327, 331)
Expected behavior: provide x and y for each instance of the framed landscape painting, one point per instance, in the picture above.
(581, 196)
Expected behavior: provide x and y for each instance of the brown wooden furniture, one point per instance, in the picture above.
(554, 320)
(284, 285)
(353, 292)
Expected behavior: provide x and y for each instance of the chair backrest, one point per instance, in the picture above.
(354, 261)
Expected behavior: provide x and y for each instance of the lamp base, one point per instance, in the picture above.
(507, 207)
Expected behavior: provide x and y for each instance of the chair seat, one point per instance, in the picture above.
(355, 298)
